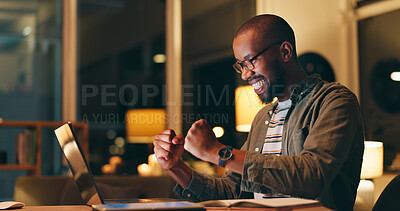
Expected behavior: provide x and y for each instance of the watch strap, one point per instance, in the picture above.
(221, 162)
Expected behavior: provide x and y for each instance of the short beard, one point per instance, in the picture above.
(274, 89)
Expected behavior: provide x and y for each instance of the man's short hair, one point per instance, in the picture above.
(270, 27)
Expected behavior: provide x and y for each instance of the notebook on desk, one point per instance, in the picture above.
(88, 188)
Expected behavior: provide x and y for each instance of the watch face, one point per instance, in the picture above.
(225, 153)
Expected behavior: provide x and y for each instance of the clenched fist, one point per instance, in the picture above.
(168, 148)
(201, 142)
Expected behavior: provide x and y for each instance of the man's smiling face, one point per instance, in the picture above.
(267, 77)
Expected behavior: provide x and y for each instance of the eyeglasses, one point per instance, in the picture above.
(248, 63)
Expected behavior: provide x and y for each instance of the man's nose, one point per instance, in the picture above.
(246, 74)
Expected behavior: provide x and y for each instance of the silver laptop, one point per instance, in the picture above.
(87, 185)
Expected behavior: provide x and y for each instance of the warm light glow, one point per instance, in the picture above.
(119, 141)
(218, 131)
(107, 169)
(156, 169)
(395, 76)
(152, 159)
(27, 31)
(243, 127)
(116, 150)
(144, 170)
(143, 124)
(247, 104)
(115, 161)
(111, 134)
(159, 58)
(372, 165)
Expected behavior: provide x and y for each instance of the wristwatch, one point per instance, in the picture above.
(224, 154)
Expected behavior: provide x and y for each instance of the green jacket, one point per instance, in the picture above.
(322, 150)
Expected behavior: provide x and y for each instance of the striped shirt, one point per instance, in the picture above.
(273, 138)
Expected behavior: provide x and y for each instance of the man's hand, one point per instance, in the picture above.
(201, 142)
(168, 148)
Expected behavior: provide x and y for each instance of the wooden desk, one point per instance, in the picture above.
(87, 208)
(58, 208)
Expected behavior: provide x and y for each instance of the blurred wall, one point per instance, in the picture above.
(321, 27)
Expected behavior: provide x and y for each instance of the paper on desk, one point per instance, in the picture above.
(10, 205)
(273, 202)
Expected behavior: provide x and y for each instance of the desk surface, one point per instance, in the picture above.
(58, 208)
(84, 208)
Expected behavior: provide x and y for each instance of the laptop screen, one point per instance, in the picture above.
(78, 165)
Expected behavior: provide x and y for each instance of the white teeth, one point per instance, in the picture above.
(258, 85)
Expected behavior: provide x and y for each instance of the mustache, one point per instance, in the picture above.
(256, 77)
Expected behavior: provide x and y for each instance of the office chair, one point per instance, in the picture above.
(389, 198)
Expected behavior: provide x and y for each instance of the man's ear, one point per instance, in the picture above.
(286, 51)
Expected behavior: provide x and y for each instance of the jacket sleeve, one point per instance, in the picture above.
(332, 131)
(204, 187)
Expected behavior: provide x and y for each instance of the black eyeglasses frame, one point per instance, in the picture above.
(238, 66)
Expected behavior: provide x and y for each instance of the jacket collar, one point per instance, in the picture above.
(303, 88)
(300, 91)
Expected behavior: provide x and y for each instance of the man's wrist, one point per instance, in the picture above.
(176, 167)
(181, 173)
(213, 154)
